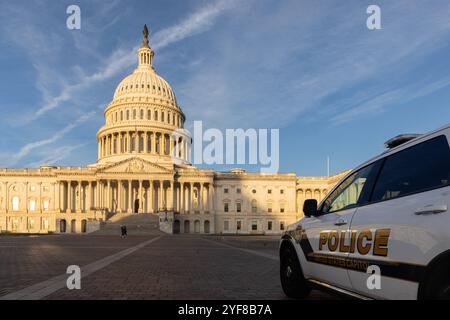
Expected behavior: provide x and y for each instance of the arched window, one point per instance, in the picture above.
(142, 114)
(134, 114)
(162, 116)
(149, 114)
(121, 115)
(128, 114)
(156, 115)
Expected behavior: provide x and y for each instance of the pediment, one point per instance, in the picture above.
(134, 165)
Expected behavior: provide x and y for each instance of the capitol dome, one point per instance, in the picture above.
(145, 82)
(144, 119)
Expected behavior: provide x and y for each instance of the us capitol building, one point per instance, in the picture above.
(144, 167)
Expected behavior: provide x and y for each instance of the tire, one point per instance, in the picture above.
(438, 286)
(292, 280)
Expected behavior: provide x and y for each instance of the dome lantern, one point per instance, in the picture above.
(145, 53)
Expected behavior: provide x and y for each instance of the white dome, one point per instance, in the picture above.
(145, 82)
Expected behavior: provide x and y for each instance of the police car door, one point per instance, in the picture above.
(397, 231)
(326, 245)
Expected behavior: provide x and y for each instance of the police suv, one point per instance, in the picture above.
(388, 218)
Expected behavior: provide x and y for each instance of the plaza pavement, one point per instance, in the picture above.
(152, 266)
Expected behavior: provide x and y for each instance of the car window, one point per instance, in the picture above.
(418, 168)
(348, 193)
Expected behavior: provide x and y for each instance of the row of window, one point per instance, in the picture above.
(238, 191)
(254, 226)
(155, 88)
(32, 205)
(44, 188)
(254, 207)
(125, 115)
(15, 224)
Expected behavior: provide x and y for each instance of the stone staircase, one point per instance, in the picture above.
(136, 223)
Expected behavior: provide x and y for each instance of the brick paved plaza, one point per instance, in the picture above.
(167, 267)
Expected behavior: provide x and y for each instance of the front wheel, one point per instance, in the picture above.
(291, 275)
(438, 287)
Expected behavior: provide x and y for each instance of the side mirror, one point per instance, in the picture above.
(310, 207)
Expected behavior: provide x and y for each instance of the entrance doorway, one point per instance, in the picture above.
(136, 206)
(62, 226)
(176, 226)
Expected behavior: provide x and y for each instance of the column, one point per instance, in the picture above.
(97, 194)
(182, 208)
(54, 198)
(211, 197)
(179, 198)
(88, 200)
(172, 146)
(145, 142)
(80, 198)
(150, 197)
(153, 142)
(119, 196)
(160, 195)
(69, 197)
(200, 200)
(108, 195)
(191, 197)
(55, 202)
(130, 206)
(141, 202)
(5, 197)
(170, 198)
(207, 199)
(128, 144)
(107, 145)
(181, 148)
(136, 142)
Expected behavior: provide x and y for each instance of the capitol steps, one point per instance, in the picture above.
(136, 223)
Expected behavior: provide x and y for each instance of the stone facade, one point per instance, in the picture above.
(144, 166)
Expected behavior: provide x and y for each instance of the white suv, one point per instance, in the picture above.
(388, 216)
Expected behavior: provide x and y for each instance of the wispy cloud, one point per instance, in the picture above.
(197, 22)
(396, 96)
(56, 155)
(301, 61)
(11, 159)
(71, 91)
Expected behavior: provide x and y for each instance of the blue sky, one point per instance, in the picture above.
(310, 68)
